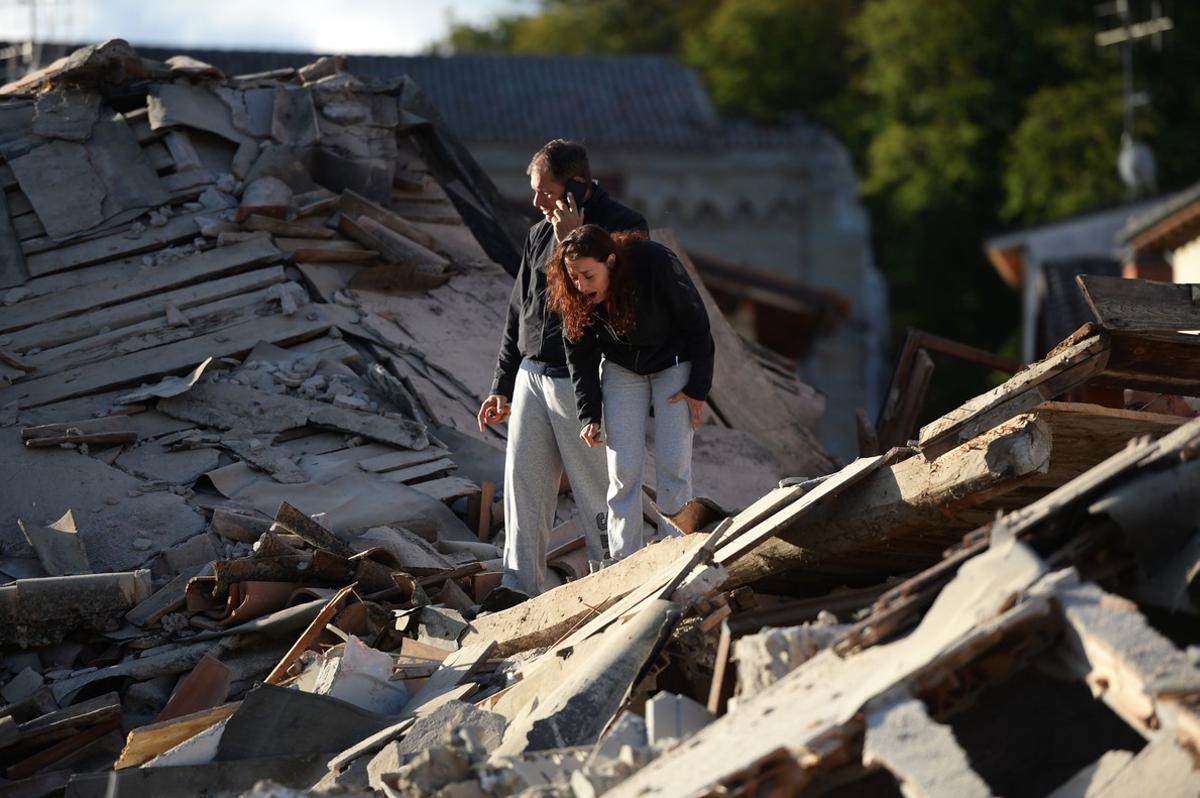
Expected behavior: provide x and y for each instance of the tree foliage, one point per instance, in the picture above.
(963, 116)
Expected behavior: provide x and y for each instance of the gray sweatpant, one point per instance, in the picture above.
(627, 400)
(543, 441)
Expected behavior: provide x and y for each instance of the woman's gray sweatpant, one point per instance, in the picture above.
(543, 441)
(627, 400)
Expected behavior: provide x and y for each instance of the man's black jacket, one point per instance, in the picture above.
(671, 326)
(531, 331)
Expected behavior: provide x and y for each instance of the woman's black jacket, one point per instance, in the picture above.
(671, 326)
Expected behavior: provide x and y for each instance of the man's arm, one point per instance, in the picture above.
(508, 360)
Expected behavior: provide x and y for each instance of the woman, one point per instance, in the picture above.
(630, 301)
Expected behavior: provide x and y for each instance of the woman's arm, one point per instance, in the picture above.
(583, 360)
(691, 317)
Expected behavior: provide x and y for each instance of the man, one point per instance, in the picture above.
(532, 387)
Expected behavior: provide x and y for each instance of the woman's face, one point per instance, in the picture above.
(590, 278)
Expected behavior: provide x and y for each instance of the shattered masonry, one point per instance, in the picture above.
(248, 520)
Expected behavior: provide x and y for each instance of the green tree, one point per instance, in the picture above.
(1061, 156)
(766, 58)
(962, 116)
(585, 27)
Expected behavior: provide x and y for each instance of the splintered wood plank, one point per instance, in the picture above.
(383, 463)
(109, 429)
(1066, 368)
(113, 246)
(310, 635)
(135, 284)
(355, 204)
(838, 483)
(922, 754)
(278, 227)
(151, 333)
(62, 331)
(447, 488)
(289, 519)
(1084, 434)
(226, 405)
(547, 618)
(406, 475)
(171, 358)
(456, 668)
(1161, 362)
(146, 742)
(1141, 305)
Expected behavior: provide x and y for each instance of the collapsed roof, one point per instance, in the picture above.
(248, 521)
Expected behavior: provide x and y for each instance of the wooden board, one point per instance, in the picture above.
(1160, 362)
(65, 330)
(456, 668)
(746, 541)
(743, 393)
(413, 473)
(354, 204)
(1141, 305)
(135, 284)
(146, 742)
(382, 464)
(144, 335)
(226, 405)
(447, 488)
(1072, 364)
(171, 358)
(546, 618)
(289, 519)
(110, 247)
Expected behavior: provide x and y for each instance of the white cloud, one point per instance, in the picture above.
(352, 26)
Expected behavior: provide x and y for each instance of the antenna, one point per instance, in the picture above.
(1135, 162)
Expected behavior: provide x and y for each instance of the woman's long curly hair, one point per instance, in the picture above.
(565, 300)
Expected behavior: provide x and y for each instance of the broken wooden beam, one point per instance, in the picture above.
(547, 618)
(289, 519)
(1141, 305)
(1073, 363)
(107, 431)
(915, 508)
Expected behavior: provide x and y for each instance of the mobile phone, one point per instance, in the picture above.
(577, 189)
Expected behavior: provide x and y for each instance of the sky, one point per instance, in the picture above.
(327, 26)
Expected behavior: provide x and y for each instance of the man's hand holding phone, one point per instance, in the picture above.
(568, 216)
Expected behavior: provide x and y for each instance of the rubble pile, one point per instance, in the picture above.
(249, 523)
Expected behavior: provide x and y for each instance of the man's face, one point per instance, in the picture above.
(546, 191)
(590, 277)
